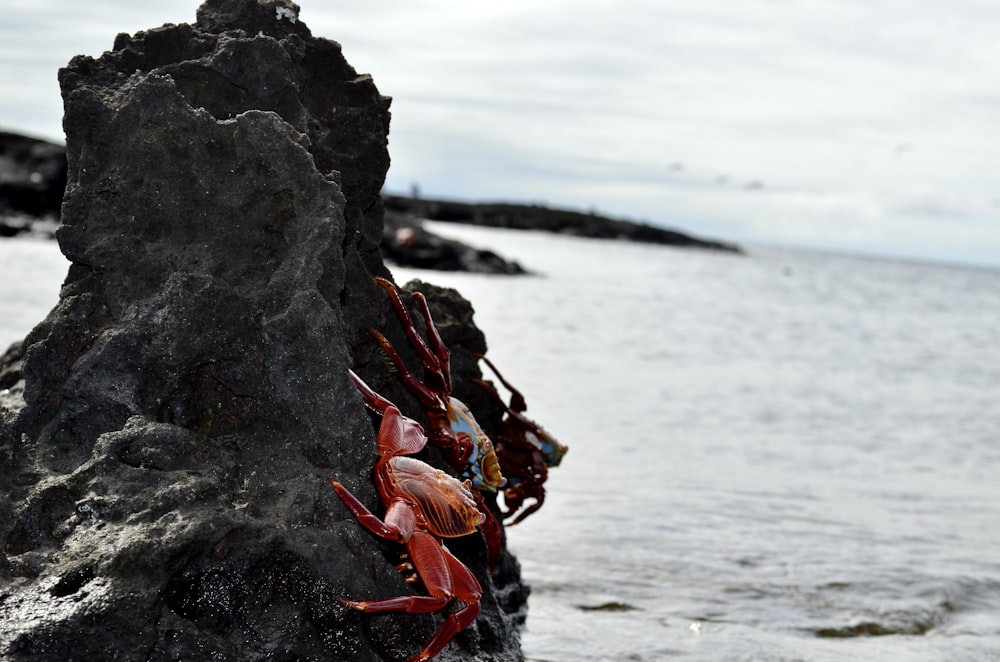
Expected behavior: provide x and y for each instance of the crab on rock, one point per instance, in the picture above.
(525, 450)
(453, 428)
(422, 506)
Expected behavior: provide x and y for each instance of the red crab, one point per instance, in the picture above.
(422, 506)
(526, 451)
(453, 428)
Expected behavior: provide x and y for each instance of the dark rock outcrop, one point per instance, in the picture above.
(33, 174)
(168, 431)
(407, 243)
(545, 219)
(32, 180)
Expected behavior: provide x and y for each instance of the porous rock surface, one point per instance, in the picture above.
(167, 433)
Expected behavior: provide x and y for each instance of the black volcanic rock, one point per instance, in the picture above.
(32, 180)
(545, 219)
(167, 433)
(407, 243)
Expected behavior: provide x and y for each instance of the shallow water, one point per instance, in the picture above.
(780, 456)
(786, 456)
(31, 271)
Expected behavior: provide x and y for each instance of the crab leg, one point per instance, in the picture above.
(397, 434)
(493, 393)
(525, 422)
(399, 519)
(446, 579)
(533, 508)
(428, 398)
(444, 575)
(437, 407)
(441, 352)
(436, 359)
(373, 400)
(491, 531)
(517, 402)
(411, 604)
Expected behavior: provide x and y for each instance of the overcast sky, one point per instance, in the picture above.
(867, 126)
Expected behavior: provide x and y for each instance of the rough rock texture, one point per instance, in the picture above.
(561, 221)
(33, 178)
(168, 431)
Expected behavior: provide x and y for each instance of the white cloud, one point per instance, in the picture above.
(857, 118)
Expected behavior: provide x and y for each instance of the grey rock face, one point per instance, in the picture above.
(166, 445)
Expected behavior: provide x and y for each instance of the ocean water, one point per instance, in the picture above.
(782, 456)
(31, 271)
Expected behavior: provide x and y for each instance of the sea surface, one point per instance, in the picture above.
(778, 456)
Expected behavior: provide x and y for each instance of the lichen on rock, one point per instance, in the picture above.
(165, 453)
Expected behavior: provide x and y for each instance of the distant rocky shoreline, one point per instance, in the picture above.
(538, 217)
(406, 242)
(33, 178)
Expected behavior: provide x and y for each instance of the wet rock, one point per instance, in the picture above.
(167, 433)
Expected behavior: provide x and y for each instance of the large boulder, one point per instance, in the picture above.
(167, 433)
